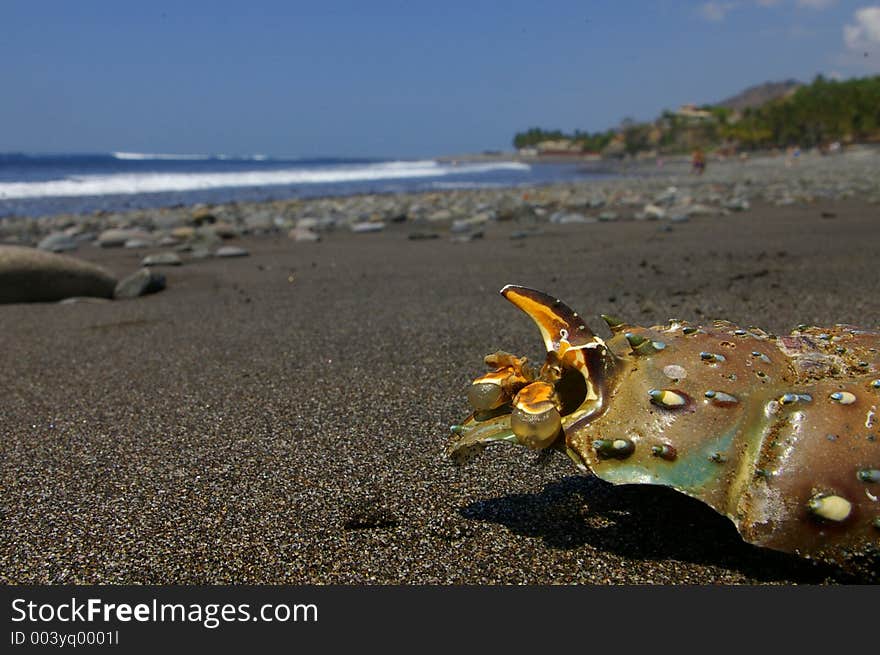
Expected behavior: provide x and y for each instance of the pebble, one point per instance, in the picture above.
(117, 238)
(162, 259)
(183, 232)
(567, 218)
(365, 227)
(737, 204)
(223, 230)
(58, 242)
(653, 212)
(138, 243)
(230, 251)
(139, 283)
(465, 238)
(303, 234)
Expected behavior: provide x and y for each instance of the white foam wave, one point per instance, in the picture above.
(158, 156)
(146, 156)
(130, 183)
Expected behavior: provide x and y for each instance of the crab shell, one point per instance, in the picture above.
(780, 434)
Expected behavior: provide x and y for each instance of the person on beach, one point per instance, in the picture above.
(699, 161)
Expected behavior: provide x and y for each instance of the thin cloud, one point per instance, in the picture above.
(865, 33)
(716, 11)
(816, 4)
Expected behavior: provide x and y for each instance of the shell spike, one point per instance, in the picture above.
(615, 324)
(641, 345)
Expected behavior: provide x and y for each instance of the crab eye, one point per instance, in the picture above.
(535, 419)
(484, 396)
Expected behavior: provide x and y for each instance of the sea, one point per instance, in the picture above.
(33, 185)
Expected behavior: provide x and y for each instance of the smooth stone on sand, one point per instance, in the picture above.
(200, 253)
(737, 204)
(667, 196)
(31, 275)
(303, 234)
(440, 215)
(162, 259)
(117, 237)
(259, 221)
(57, 242)
(467, 237)
(365, 227)
(139, 283)
(462, 225)
(183, 232)
(231, 251)
(568, 218)
(222, 230)
(138, 243)
(700, 210)
(653, 212)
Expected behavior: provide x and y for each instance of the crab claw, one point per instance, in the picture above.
(498, 387)
(557, 322)
(513, 404)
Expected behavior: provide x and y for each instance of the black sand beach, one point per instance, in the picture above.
(280, 418)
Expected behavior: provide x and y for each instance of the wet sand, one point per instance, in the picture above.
(280, 418)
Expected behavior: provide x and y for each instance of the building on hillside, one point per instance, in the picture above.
(693, 113)
(559, 147)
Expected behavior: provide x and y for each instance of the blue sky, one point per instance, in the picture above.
(388, 77)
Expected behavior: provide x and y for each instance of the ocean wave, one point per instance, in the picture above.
(147, 156)
(158, 156)
(134, 183)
